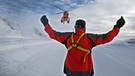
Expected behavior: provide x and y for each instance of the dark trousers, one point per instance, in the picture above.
(69, 72)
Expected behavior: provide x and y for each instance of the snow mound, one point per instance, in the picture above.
(8, 28)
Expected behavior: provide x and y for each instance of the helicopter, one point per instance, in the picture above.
(65, 17)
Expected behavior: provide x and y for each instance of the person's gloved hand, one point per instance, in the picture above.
(44, 20)
(120, 22)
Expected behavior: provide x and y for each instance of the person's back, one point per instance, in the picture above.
(79, 44)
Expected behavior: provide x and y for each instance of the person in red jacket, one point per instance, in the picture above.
(78, 61)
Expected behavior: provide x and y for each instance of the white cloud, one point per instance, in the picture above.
(100, 16)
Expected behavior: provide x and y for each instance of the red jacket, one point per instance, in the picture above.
(74, 65)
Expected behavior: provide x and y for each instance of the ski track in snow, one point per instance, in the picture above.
(114, 60)
(30, 57)
(39, 57)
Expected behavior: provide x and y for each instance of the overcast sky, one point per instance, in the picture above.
(40, 6)
(100, 15)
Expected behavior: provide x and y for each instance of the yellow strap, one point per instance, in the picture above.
(69, 48)
(80, 38)
(85, 50)
(79, 47)
(82, 49)
(84, 59)
(74, 45)
(72, 37)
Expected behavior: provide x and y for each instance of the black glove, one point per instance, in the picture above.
(120, 22)
(44, 20)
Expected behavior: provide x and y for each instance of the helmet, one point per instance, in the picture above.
(80, 24)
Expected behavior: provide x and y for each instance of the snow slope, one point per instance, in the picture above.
(27, 56)
(8, 28)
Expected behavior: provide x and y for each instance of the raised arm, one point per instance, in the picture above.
(59, 36)
(104, 38)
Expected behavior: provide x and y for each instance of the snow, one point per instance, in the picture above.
(114, 60)
(37, 55)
